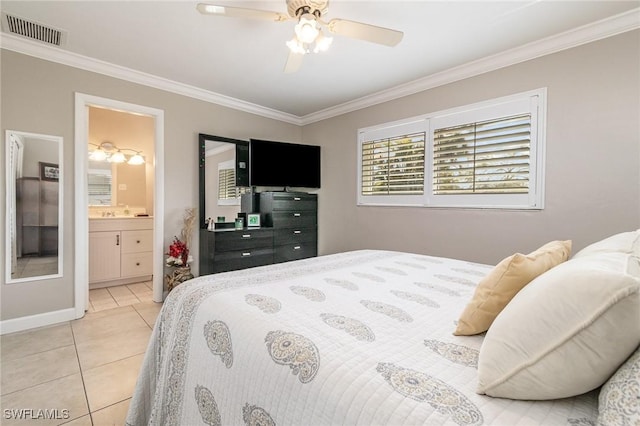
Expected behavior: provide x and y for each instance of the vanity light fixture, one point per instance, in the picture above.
(108, 151)
(136, 159)
(117, 157)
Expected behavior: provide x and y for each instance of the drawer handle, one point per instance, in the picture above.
(246, 235)
(296, 215)
(297, 232)
(138, 241)
(296, 248)
(118, 239)
(246, 254)
(137, 263)
(296, 198)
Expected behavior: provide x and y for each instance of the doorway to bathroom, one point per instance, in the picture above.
(100, 129)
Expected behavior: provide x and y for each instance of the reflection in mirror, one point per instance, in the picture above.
(34, 206)
(218, 190)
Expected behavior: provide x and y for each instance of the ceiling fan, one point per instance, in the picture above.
(308, 35)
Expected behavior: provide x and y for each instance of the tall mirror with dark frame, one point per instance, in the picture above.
(224, 177)
(33, 206)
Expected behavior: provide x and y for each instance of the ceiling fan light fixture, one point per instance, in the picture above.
(322, 43)
(296, 46)
(307, 28)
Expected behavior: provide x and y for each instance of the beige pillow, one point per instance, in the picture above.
(565, 333)
(495, 290)
(624, 242)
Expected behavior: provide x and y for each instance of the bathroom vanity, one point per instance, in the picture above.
(120, 250)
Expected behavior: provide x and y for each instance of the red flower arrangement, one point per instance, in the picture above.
(178, 253)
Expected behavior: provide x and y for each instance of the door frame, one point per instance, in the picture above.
(81, 272)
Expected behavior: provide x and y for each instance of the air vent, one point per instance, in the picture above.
(32, 30)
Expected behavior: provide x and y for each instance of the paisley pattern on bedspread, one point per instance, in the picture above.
(373, 277)
(256, 416)
(455, 353)
(342, 283)
(457, 280)
(312, 294)
(418, 298)
(388, 310)
(218, 338)
(438, 288)
(207, 406)
(352, 326)
(296, 351)
(266, 304)
(424, 388)
(391, 270)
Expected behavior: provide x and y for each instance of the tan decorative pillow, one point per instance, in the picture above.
(496, 289)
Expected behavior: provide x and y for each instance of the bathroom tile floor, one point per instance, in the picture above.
(84, 371)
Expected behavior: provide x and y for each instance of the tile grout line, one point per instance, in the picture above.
(84, 386)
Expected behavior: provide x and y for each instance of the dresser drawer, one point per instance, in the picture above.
(289, 252)
(137, 241)
(283, 236)
(242, 239)
(136, 264)
(293, 219)
(295, 203)
(271, 201)
(232, 260)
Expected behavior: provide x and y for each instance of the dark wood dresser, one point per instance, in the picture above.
(294, 219)
(289, 231)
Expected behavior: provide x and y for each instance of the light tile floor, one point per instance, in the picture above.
(85, 369)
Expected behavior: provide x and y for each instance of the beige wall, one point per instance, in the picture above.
(592, 162)
(38, 96)
(592, 168)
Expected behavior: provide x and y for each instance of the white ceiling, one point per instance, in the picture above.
(242, 60)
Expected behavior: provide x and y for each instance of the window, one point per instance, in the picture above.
(228, 192)
(393, 165)
(486, 155)
(99, 184)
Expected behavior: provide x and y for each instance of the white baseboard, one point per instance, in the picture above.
(38, 320)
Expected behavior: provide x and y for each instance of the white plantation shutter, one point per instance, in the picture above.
(226, 184)
(491, 157)
(228, 192)
(485, 155)
(393, 165)
(99, 186)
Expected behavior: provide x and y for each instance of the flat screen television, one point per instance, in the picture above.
(283, 164)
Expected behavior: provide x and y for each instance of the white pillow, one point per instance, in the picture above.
(619, 401)
(624, 242)
(565, 333)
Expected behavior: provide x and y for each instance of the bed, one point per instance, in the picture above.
(356, 338)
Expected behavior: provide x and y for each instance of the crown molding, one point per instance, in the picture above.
(64, 57)
(598, 30)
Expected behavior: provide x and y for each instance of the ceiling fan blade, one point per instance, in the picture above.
(294, 61)
(239, 12)
(366, 32)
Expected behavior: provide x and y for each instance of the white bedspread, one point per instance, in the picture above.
(362, 337)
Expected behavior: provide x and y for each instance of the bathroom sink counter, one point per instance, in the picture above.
(120, 223)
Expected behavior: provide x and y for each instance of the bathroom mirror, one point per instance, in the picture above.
(119, 173)
(223, 164)
(34, 206)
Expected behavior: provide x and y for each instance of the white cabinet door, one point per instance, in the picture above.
(104, 255)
